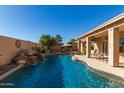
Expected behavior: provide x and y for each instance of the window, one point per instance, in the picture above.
(121, 48)
(121, 41)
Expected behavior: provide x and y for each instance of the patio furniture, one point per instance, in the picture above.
(99, 56)
(102, 57)
(95, 53)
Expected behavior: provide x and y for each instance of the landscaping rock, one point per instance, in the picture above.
(21, 62)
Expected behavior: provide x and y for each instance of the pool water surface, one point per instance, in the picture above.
(58, 72)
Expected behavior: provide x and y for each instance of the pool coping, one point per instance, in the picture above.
(102, 65)
(102, 73)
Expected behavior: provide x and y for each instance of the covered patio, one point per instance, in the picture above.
(105, 42)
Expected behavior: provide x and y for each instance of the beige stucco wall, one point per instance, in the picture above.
(98, 46)
(121, 55)
(78, 46)
(74, 46)
(8, 49)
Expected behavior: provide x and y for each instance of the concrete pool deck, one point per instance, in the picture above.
(101, 65)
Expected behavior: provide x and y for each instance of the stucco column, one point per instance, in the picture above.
(81, 48)
(113, 46)
(78, 44)
(88, 47)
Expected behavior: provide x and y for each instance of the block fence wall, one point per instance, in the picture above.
(9, 47)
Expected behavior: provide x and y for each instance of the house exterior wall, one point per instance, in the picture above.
(114, 29)
(88, 47)
(8, 48)
(113, 46)
(79, 46)
(74, 46)
(121, 55)
(98, 46)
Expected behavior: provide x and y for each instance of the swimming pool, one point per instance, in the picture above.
(58, 72)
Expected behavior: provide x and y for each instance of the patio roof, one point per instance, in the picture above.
(66, 45)
(117, 18)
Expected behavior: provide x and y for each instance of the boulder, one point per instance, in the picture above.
(21, 62)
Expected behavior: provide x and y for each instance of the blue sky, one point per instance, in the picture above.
(30, 22)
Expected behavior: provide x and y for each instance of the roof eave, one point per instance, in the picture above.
(120, 16)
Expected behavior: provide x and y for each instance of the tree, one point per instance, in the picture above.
(47, 40)
(71, 41)
(58, 38)
(53, 41)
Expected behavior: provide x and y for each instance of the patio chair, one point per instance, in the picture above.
(95, 52)
(105, 59)
(102, 57)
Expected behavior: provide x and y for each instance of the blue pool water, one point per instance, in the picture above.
(57, 72)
